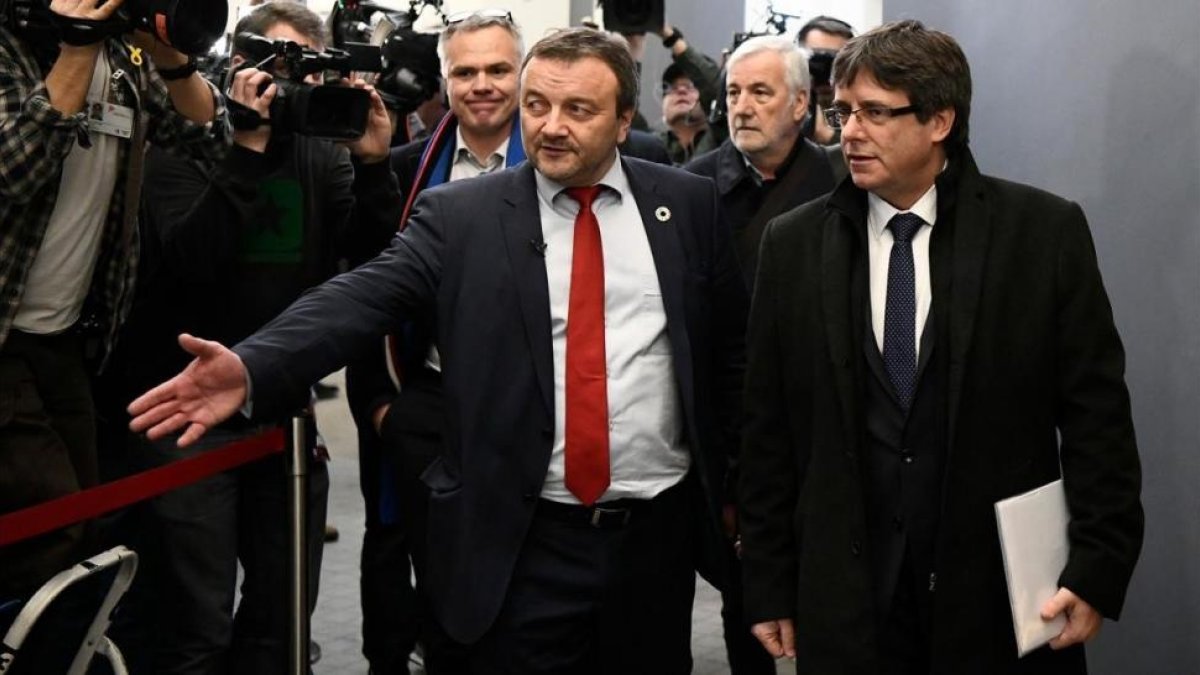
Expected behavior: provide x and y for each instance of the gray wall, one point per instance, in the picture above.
(1099, 101)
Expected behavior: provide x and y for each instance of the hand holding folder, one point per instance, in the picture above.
(1033, 540)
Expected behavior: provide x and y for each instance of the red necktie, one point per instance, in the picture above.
(587, 473)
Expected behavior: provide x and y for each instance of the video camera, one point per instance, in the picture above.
(190, 26)
(325, 111)
(411, 71)
(820, 69)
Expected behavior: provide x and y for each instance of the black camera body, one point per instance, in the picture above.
(319, 110)
(633, 16)
(820, 70)
(411, 71)
(190, 26)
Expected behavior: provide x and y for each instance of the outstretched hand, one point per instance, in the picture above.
(210, 390)
(375, 143)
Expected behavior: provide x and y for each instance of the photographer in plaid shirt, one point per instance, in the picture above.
(74, 119)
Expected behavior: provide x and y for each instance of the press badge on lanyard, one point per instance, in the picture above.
(110, 119)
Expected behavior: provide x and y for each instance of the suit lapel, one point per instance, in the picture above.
(656, 209)
(843, 309)
(972, 228)
(522, 225)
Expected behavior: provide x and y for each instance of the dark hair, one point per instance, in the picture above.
(825, 24)
(573, 44)
(295, 14)
(928, 65)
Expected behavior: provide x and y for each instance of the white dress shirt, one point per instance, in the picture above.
(647, 451)
(467, 165)
(879, 252)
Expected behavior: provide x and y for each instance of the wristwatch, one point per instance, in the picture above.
(676, 36)
(179, 73)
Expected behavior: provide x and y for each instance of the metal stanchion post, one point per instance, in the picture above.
(297, 473)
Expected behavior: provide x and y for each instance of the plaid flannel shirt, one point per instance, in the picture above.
(34, 142)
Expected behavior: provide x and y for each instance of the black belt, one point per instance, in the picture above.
(608, 515)
(603, 516)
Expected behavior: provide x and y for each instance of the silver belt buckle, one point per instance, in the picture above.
(599, 511)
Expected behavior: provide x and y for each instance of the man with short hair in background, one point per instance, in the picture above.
(766, 167)
(395, 392)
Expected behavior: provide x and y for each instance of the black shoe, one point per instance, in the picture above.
(314, 652)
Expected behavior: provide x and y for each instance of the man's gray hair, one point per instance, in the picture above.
(470, 25)
(795, 61)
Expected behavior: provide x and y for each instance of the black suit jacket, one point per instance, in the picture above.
(466, 256)
(1033, 355)
(806, 174)
(645, 145)
(405, 160)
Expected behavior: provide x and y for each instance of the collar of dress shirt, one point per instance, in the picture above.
(460, 145)
(881, 212)
(614, 179)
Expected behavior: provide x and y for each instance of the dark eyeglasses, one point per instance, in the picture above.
(837, 116)
(499, 14)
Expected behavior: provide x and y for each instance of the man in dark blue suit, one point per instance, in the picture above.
(590, 316)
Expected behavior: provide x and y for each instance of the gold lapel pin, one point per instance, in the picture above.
(663, 214)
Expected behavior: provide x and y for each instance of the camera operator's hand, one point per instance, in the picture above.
(164, 56)
(190, 95)
(244, 90)
(85, 9)
(68, 80)
(678, 44)
(375, 143)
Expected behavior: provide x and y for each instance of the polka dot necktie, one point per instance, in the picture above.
(900, 315)
(586, 436)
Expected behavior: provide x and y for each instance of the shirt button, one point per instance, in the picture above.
(897, 523)
(855, 549)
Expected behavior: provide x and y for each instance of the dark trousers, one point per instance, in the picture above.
(387, 596)
(191, 541)
(586, 600)
(411, 452)
(47, 449)
(904, 643)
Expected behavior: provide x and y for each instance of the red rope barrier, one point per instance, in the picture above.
(52, 515)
